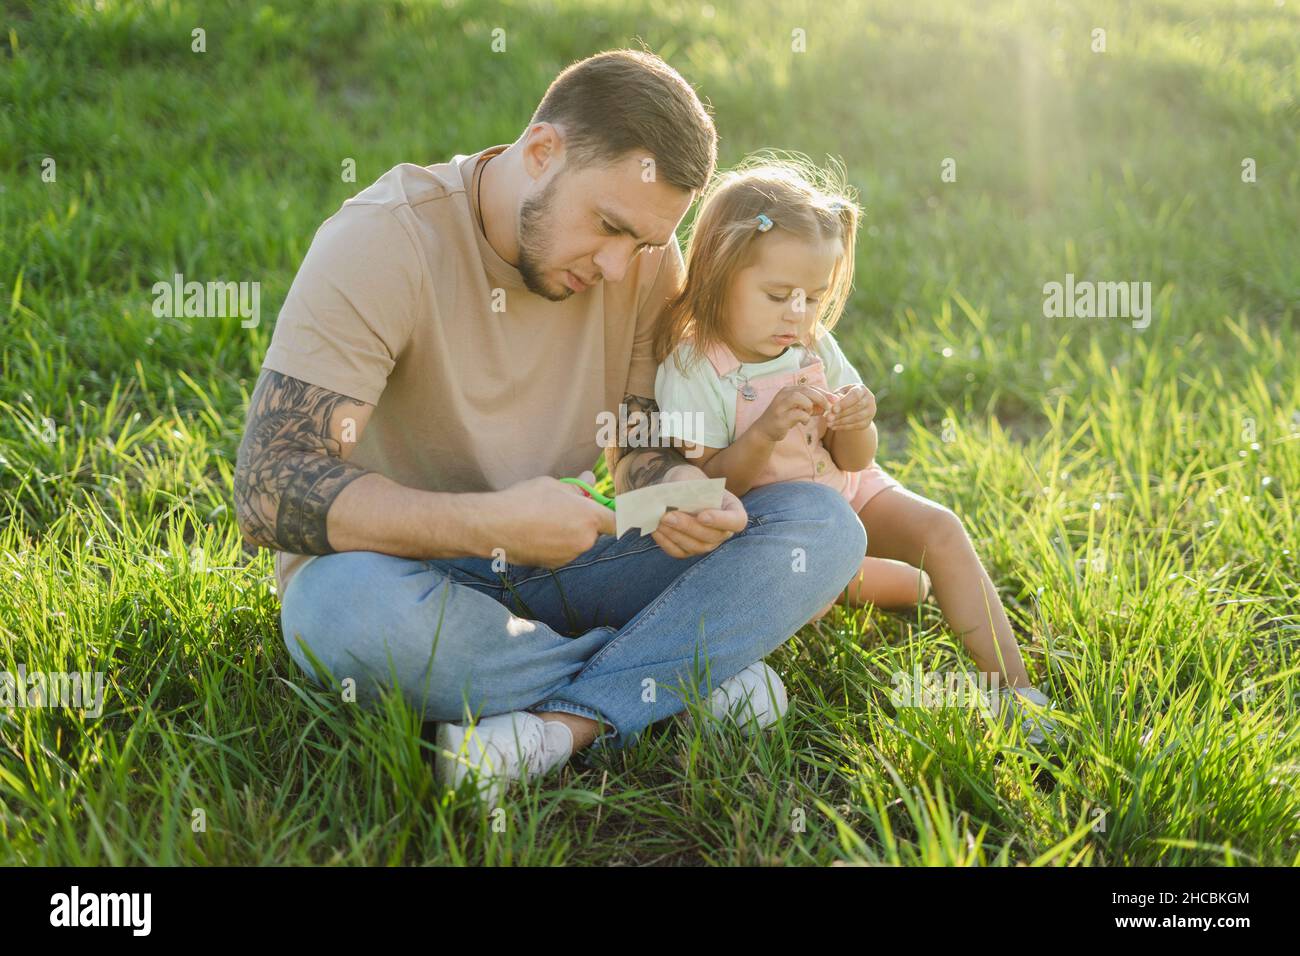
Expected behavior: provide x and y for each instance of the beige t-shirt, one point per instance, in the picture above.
(394, 306)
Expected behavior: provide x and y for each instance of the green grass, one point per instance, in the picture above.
(1134, 493)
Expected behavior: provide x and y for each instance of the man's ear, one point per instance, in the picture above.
(543, 150)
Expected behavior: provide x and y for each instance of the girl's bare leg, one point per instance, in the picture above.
(907, 527)
(886, 583)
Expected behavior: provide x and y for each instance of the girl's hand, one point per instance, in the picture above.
(854, 411)
(793, 405)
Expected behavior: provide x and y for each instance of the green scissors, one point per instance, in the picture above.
(591, 492)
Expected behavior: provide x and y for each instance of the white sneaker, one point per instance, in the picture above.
(755, 699)
(500, 749)
(1018, 701)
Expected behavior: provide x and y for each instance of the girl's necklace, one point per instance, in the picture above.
(741, 381)
(747, 391)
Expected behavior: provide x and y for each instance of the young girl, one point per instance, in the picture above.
(769, 269)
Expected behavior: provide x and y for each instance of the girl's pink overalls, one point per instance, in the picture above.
(800, 456)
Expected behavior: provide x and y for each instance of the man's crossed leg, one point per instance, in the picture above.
(612, 636)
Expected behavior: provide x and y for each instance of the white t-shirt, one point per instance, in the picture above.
(698, 406)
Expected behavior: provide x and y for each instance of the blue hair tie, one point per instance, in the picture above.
(764, 224)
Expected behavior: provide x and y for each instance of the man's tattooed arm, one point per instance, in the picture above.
(291, 463)
(632, 464)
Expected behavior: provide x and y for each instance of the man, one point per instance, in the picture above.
(443, 357)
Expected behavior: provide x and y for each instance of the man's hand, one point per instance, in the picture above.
(854, 411)
(793, 405)
(544, 522)
(682, 535)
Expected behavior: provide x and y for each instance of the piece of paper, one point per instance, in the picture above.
(644, 507)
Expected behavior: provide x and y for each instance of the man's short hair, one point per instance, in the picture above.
(623, 100)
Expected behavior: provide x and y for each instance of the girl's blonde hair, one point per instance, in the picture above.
(798, 198)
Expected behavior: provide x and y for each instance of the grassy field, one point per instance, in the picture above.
(1134, 491)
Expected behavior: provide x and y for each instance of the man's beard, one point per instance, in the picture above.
(534, 243)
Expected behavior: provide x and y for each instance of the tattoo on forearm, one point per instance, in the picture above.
(635, 465)
(288, 470)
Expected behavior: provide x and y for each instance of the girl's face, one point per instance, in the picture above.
(765, 314)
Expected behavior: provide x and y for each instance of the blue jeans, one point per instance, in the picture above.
(617, 634)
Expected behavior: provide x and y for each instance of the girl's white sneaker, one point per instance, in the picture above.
(1018, 702)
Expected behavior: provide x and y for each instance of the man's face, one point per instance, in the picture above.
(588, 224)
